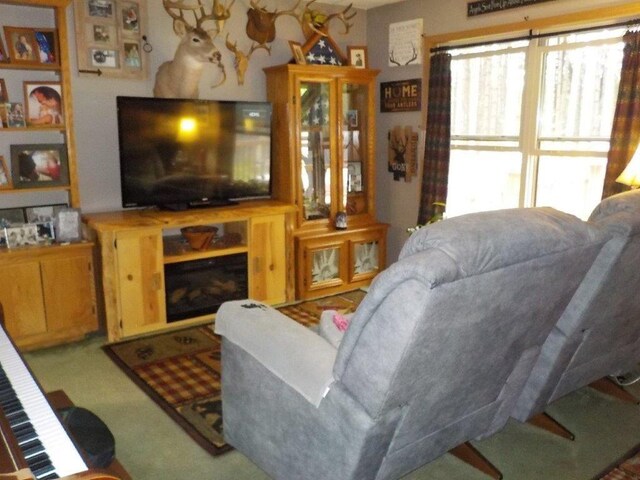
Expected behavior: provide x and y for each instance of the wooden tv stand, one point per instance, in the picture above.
(136, 245)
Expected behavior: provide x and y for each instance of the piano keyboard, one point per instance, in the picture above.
(44, 442)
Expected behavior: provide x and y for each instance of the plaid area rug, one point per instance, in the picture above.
(180, 370)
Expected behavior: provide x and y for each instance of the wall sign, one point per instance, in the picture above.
(401, 96)
(405, 43)
(403, 153)
(488, 6)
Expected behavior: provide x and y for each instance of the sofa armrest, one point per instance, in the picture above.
(295, 354)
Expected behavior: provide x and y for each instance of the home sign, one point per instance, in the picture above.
(401, 96)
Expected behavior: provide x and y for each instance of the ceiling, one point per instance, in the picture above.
(363, 4)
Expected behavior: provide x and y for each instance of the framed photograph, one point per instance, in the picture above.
(43, 213)
(104, 58)
(109, 38)
(13, 114)
(48, 49)
(4, 96)
(357, 57)
(100, 8)
(5, 182)
(39, 165)
(298, 54)
(3, 53)
(22, 45)
(68, 225)
(11, 217)
(45, 233)
(44, 103)
(352, 118)
(24, 235)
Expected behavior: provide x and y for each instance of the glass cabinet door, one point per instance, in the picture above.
(355, 103)
(315, 149)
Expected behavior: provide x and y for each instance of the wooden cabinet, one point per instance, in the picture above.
(48, 298)
(138, 246)
(324, 145)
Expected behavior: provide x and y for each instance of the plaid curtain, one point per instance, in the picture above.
(435, 174)
(625, 133)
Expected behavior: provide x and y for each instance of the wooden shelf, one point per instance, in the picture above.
(20, 66)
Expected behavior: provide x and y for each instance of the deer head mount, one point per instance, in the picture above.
(261, 23)
(314, 21)
(180, 77)
(241, 59)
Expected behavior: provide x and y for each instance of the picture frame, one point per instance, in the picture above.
(10, 217)
(22, 46)
(43, 213)
(46, 234)
(13, 115)
(21, 236)
(352, 119)
(110, 38)
(44, 104)
(357, 57)
(48, 46)
(298, 54)
(4, 58)
(68, 225)
(39, 165)
(4, 95)
(5, 180)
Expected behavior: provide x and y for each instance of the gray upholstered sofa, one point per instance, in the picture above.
(436, 354)
(598, 335)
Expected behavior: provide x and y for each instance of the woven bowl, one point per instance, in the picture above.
(200, 236)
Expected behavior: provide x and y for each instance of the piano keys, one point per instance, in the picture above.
(46, 446)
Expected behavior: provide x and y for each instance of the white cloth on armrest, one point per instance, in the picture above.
(292, 352)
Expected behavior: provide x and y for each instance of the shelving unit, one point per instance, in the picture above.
(51, 298)
(137, 246)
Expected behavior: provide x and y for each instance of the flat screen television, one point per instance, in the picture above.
(180, 153)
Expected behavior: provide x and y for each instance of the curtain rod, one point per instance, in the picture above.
(444, 48)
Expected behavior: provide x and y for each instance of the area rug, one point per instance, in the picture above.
(627, 469)
(181, 370)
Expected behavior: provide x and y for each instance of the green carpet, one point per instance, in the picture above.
(181, 370)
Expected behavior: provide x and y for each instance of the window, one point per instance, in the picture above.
(531, 120)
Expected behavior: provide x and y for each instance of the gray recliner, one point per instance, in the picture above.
(599, 332)
(435, 355)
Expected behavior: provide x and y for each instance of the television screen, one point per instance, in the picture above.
(178, 152)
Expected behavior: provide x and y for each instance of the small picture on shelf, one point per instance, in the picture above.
(3, 53)
(9, 217)
(12, 114)
(47, 39)
(26, 234)
(46, 232)
(357, 57)
(5, 182)
(22, 45)
(100, 8)
(44, 103)
(43, 213)
(4, 96)
(39, 165)
(68, 225)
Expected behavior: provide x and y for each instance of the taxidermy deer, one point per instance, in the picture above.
(180, 77)
(241, 59)
(314, 21)
(261, 23)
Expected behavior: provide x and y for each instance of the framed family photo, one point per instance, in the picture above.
(357, 57)
(22, 45)
(5, 182)
(4, 96)
(43, 213)
(39, 165)
(43, 102)
(3, 53)
(298, 54)
(23, 235)
(48, 49)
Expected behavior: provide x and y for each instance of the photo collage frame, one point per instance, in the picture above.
(35, 226)
(109, 37)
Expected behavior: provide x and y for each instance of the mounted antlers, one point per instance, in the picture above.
(261, 24)
(241, 59)
(313, 21)
(180, 77)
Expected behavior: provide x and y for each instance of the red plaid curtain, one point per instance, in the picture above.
(435, 175)
(625, 133)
